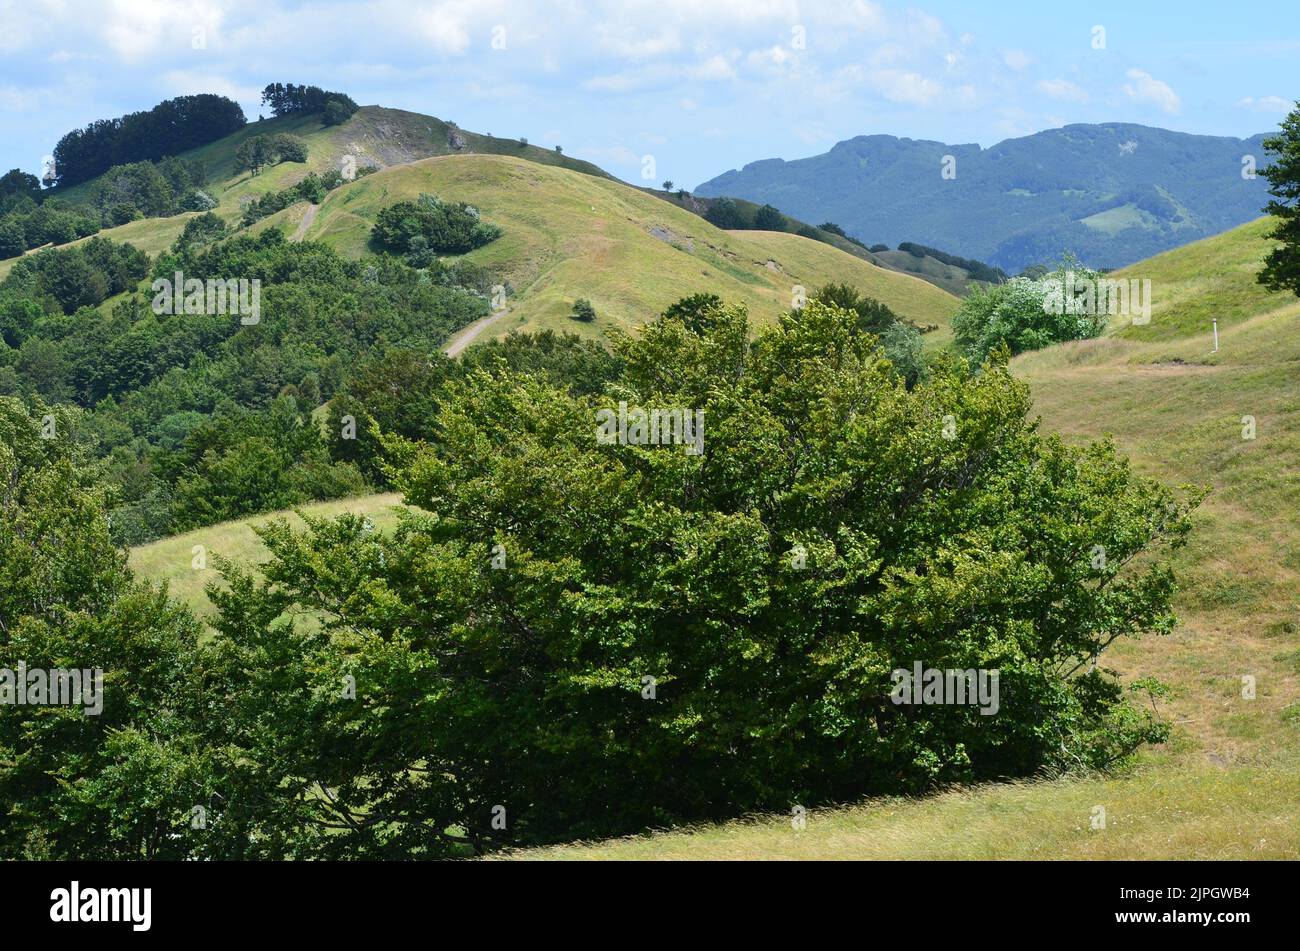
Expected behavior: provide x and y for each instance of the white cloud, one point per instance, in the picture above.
(774, 57)
(136, 29)
(903, 86)
(1275, 104)
(1017, 59)
(1062, 89)
(714, 68)
(14, 99)
(1145, 88)
(444, 28)
(186, 82)
(638, 47)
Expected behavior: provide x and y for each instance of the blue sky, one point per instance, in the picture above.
(701, 86)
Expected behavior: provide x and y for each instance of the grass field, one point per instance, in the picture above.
(1208, 279)
(171, 560)
(1170, 812)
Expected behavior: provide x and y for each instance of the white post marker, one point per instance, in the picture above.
(1216, 334)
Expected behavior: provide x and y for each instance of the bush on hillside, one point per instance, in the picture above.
(726, 214)
(81, 276)
(1029, 313)
(445, 227)
(769, 218)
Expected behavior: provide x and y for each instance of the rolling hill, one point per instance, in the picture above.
(569, 235)
(570, 230)
(628, 251)
(1112, 193)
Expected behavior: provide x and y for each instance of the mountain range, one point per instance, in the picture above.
(1111, 194)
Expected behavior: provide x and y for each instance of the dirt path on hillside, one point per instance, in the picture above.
(465, 336)
(301, 231)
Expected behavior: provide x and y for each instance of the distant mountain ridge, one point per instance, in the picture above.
(1112, 193)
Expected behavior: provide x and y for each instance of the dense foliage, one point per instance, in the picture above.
(196, 416)
(575, 638)
(120, 784)
(124, 193)
(150, 190)
(398, 391)
(430, 225)
(900, 340)
(1281, 269)
(169, 128)
(631, 619)
(1029, 313)
(71, 278)
(288, 99)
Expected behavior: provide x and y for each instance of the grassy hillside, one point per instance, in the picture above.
(372, 136)
(569, 235)
(1211, 278)
(570, 230)
(1170, 813)
(171, 559)
(948, 277)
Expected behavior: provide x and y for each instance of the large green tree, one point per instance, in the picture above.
(1282, 266)
(574, 638)
(122, 783)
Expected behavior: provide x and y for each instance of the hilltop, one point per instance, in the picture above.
(628, 251)
(1112, 193)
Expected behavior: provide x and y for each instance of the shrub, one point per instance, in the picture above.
(289, 148)
(1028, 313)
(13, 241)
(203, 229)
(583, 310)
(446, 227)
(725, 213)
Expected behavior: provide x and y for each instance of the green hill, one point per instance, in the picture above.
(1213, 278)
(1113, 193)
(570, 230)
(569, 235)
(949, 277)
